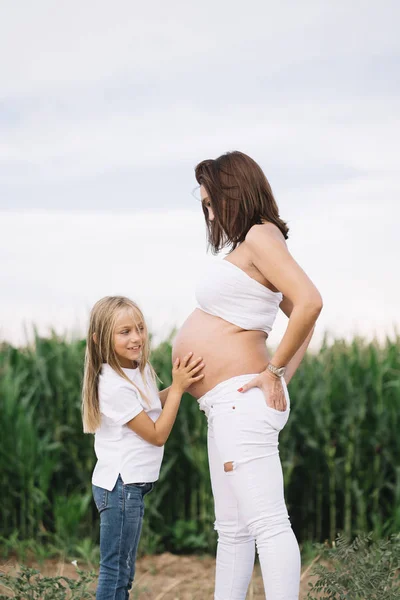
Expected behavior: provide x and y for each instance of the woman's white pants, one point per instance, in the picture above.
(249, 500)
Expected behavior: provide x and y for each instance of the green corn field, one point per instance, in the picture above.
(340, 449)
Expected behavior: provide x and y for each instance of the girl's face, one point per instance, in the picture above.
(129, 337)
(206, 202)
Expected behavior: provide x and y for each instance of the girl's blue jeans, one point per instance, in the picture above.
(121, 516)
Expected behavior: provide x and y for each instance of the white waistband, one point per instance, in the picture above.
(225, 387)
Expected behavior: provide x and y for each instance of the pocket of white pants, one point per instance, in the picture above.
(222, 410)
(275, 410)
(287, 398)
(276, 418)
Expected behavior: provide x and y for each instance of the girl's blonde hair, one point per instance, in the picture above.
(100, 349)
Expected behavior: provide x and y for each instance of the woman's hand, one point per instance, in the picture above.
(185, 373)
(272, 387)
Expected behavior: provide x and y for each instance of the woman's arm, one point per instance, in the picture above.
(271, 257)
(286, 307)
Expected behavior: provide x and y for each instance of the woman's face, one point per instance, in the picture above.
(206, 202)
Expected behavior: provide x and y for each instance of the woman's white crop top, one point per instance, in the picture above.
(226, 291)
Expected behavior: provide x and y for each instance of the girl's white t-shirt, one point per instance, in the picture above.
(119, 450)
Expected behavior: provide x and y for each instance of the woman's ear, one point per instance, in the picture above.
(94, 336)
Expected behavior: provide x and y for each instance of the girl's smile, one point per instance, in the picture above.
(131, 420)
(129, 336)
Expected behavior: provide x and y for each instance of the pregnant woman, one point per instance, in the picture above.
(244, 392)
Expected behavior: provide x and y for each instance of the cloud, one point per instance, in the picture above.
(107, 110)
(62, 45)
(96, 100)
(56, 265)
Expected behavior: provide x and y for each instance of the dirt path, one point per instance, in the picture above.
(165, 577)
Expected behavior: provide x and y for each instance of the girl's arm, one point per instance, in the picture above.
(184, 374)
(163, 395)
(286, 307)
(157, 432)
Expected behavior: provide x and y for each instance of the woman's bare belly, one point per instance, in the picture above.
(227, 350)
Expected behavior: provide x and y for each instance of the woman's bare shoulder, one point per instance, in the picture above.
(267, 233)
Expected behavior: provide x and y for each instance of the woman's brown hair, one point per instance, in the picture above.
(240, 197)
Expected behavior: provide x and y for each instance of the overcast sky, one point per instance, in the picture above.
(105, 108)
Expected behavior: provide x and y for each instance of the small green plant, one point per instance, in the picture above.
(186, 537)
(29, 584)
(309, 552)
(88, 551)
(69, 515)
(360, 570)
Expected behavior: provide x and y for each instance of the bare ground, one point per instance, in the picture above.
(164, 577)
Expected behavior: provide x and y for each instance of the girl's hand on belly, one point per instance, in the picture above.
(185, 373)
(271, 387)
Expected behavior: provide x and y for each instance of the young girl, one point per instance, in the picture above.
(131, 421)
